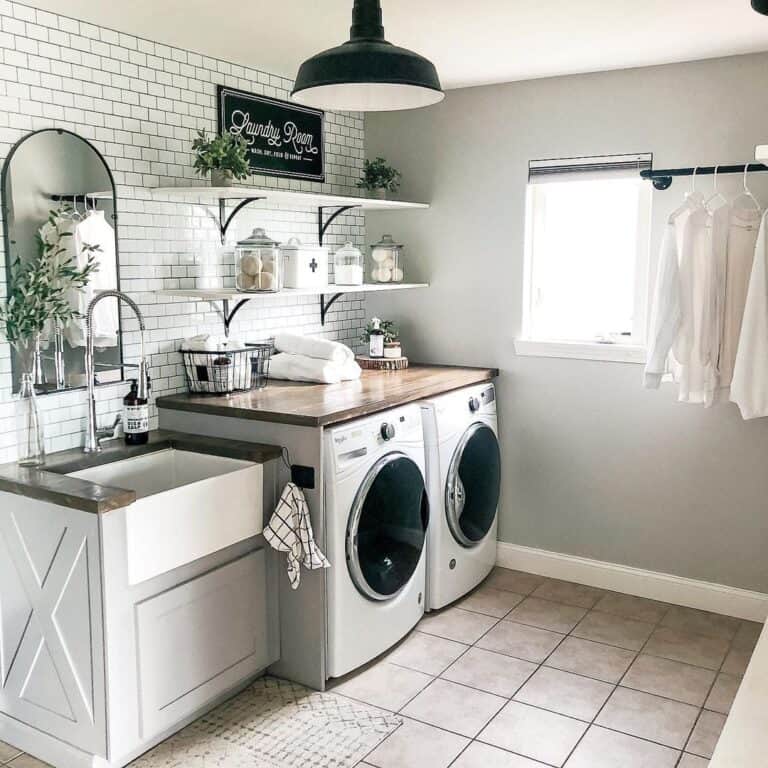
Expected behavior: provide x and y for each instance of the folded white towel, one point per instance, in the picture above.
(303, 368)
(207, 343)
(322, 349)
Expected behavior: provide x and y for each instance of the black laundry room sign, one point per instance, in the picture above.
(284, 139)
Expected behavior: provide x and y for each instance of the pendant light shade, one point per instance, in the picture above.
(761, 6)
(367, 73)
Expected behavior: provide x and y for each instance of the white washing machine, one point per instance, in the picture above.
(376, 526)
(463, 465)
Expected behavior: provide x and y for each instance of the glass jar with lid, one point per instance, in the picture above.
(258, 264)
(348, 265)
(387, 261)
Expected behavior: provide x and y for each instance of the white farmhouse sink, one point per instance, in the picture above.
(188, 505)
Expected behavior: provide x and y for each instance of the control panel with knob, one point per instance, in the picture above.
(474, 404)
(387, 431)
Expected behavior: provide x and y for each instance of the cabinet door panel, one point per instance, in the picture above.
(200, 638)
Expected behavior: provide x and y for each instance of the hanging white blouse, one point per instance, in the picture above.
(95, 230)
(695, 378)
(743, 229)
(674, 322)
(749, 387)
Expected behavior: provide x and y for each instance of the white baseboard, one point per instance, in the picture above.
(717, 598)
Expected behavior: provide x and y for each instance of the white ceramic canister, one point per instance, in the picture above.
(304, 266)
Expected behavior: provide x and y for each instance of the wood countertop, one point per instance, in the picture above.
(320, 405)
(51, 482)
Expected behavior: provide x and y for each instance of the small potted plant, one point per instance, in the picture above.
(392, 346)
(224, 156)
(379, 178)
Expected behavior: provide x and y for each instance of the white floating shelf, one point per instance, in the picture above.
(229, 294)
(284, 197)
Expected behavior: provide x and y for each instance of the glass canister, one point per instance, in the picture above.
(348, 265)
(387, 261)
(258, 264)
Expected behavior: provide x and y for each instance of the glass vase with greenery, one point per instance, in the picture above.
(224, 156)
(39, 297)
(379, 177)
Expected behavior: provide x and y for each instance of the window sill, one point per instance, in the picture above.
(581, 350)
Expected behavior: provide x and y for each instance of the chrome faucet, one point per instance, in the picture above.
(92, 435)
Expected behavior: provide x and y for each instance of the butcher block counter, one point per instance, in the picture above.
(321, 405)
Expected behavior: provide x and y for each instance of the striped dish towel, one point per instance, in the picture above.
(290, 531)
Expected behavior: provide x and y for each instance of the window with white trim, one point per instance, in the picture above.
(587, 249)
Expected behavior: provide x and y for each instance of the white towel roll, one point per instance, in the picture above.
(321, 349)
(303, 368)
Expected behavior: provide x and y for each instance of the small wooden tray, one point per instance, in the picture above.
(382, 363)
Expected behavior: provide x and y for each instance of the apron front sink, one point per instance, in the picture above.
(187, 506)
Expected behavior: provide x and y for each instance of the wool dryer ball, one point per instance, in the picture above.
(250, 264)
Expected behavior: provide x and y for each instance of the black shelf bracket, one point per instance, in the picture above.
(662, 179)
(228, 316)
(224, 220)
(322, 225)
(326, 305)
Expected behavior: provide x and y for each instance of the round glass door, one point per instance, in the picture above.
(472, 488)
(387, 527)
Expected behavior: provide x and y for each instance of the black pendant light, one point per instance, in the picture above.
(761, 6)
(367, 73)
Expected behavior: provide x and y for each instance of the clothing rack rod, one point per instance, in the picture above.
(662, 179)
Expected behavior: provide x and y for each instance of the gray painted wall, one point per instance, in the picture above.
(594, 465)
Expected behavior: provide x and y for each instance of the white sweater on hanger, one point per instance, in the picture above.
(749, 387)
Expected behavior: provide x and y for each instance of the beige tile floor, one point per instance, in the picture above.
(528, 672)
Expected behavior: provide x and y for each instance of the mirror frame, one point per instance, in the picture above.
(4, 207)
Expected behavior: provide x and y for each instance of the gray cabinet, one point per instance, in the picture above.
(51, 635)
(199, 639)
(96, 669)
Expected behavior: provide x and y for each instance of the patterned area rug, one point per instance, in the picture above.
(276, 724)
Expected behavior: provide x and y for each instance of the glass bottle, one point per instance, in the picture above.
(29, 425)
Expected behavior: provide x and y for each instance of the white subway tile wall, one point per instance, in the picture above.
(140, 103)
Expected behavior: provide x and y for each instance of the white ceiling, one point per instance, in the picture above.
(472, 42)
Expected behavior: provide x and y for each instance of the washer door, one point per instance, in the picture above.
(472, 487)
(387, 527)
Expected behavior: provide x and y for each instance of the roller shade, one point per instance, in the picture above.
(588, 168)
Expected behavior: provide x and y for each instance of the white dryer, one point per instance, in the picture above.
(463, 466)
(376, 526)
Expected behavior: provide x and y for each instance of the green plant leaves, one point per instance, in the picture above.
(377, 174)
(39, 287)
(221, 153)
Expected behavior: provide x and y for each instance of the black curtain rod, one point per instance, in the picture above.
(662, 179)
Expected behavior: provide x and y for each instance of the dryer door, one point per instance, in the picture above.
(472, 486)
(387, 527)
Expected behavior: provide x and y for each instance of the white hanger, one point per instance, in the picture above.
(692, 199)
(747, 192)
(717, 195)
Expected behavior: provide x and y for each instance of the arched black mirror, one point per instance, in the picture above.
(59, 214)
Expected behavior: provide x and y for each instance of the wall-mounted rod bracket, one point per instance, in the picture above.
(224, 220)
(326, 305)
(662, 179)
(322, 225)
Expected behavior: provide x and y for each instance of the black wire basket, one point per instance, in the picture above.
(228, 371)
